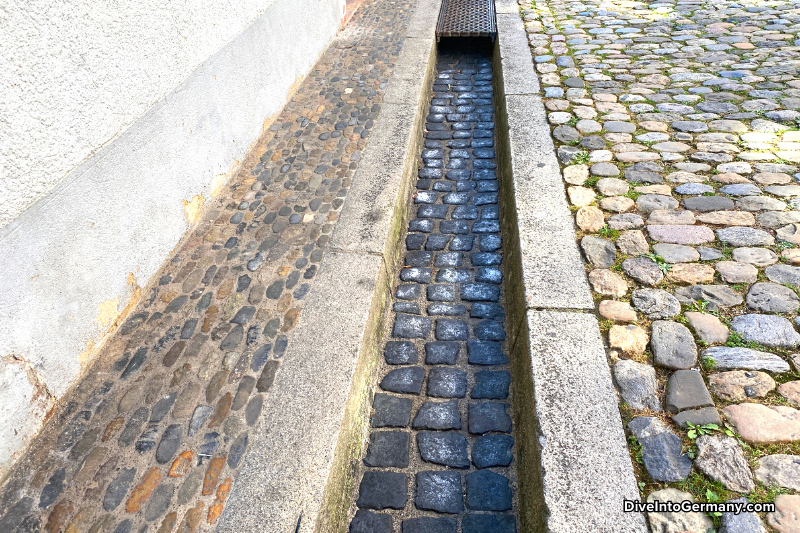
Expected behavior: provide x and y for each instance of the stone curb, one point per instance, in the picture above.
(574, 466)
(299, 471)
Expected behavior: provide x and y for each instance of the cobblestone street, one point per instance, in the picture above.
(445, 371)
(677, 127)
(154, 435)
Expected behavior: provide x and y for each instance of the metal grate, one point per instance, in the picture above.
(467, 18)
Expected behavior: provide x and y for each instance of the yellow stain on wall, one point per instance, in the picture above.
(193, 208)
(108, 312)
(109, 319)
(218, 182)
(85, 356)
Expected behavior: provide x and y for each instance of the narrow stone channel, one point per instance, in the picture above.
(441, 455)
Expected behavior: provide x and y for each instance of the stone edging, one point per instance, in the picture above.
(574, 466)
(298, 473)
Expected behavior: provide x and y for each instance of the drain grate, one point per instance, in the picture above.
(467, 18)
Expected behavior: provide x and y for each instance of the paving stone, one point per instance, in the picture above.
(451, 330)
(676, 521)
(382, 490)
(741, 236)
(159, 502)
(53, 489)
(758, 423)
(791, 391)
(767, 330)
(599, 252)
(447, 383)
(772, 298)
(733, 272)
(170, 441)
(629, 339)
(715, 296)
(780, 469)
(680, 234)
(676, 253)
(488, 491)
(444, 448)
(491, 385)
(369, 522)
(643, 270)
(441, 352)
(404, 380)
(673, 345)
(721, 458)
(707, 327)
(637, 384)
(118, 489)
(390, 411)
(489, 416)
(697, 417)
(496, 523)
(743, 522)
(739, 385)
(709, 254)
(438, 416)
(647, 203)
(785, 518)
(479, 292)
(617, 311)
(439, 491)
(607, 282)
(426, 524)
(661, 450)
(783, 274)
(756, 256)
(387, 449)
(686, 390)
(486, 353)
(411, 327)
(655, 303)
(731, 358)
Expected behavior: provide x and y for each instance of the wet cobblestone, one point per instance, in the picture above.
(152, 438)
(447, 463)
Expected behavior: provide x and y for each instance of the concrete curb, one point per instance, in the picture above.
(299, 471)
(574, 466)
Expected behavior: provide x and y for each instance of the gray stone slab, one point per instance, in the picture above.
(506, 7)
(373, 216)
(409, 77)
(534, 204)
(423, 21)
(552, 269)
(586, 469)
(518, 75)
(293, 456)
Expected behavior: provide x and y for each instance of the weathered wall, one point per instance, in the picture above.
(114, 116)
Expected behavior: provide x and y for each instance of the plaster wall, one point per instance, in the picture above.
(114, 116)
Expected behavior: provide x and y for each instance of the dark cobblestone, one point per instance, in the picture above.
(453, 251)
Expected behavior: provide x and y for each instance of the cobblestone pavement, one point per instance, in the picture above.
(152, 439)
(440, 457)
(676, 124)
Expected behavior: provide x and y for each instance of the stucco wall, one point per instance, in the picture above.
(76, 73)
(183, 93)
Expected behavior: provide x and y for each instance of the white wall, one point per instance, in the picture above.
(183, 90)
(75, 73)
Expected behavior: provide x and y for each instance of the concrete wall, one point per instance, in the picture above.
(115, 117)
